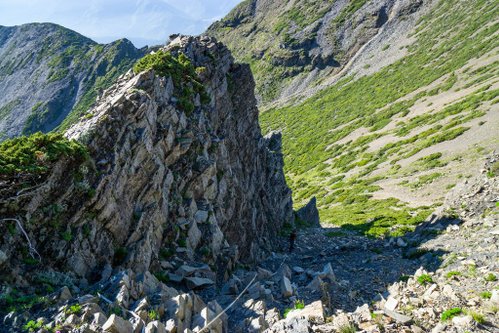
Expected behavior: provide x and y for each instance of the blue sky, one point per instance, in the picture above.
(141, 21)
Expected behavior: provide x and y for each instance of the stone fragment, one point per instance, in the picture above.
(85, 299)
(170, 326)
(462, 321)
(341, 320)
(315, 285)
(403, 319)
(293, 325)
(283, 271)
(155, 327)
(72, 320)
(416, 329)
(201, 216)
(175, 277)
(298, 269)
(196, 282)
(263, 274)
(65, 294)
(391, 303)
(116, 324)
(99, 319)
(186, 270)
(313, 312)
(362, 314)
(494, 299)
(327, 272)
(272, 316)
(286, 289)
(255, 290)
(440, 327)
(194, 235)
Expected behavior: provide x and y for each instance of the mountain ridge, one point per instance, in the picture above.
(295, 46)
(50, 74)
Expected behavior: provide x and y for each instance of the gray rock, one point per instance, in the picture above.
(72, 320)
(298, 269)
(170, 326)
(494, 299)
(65, 294)
(201, 216)
(272, 316)
(286, 289)
(391, 303)
(85, 299)
(116, 324)
(327, 273)
(403, 319)
(283, 271)
(186, 270)
(263, 274)
(440, 327)
(462, 321)
(255, 290)
(155, 327)
(90, 309)
(309, 214)
(232, 286)
(362, 314)
(194, 235)
(196, 282)
(99, 319)
(175, 277)
(313, 312)
(315, 285)
(416, 329)
(293, 325)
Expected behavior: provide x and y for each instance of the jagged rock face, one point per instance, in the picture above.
(46, 71)
(204, 184)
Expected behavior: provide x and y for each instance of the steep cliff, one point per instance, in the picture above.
(47, 72)
(177, 167)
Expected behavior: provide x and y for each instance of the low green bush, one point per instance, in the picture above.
(424, 279)
(35, 153)
(449, 314)
(183, 73)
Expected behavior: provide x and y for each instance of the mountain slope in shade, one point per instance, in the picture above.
(49, 73)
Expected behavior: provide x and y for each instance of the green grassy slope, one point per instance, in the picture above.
(344, 173)
(275, 38)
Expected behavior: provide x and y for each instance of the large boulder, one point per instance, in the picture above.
(116, 324)
(308, 214)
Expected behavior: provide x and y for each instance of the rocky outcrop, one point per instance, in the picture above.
(309, 214)
(47, 71)
(161, 182)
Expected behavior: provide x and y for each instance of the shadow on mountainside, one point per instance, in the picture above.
(363, 267)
